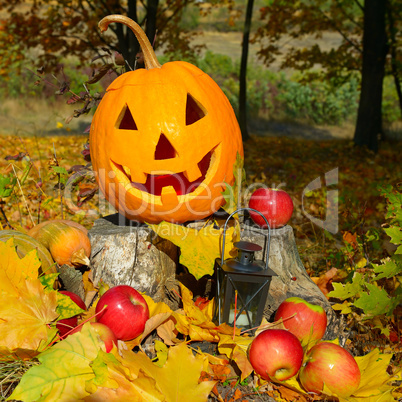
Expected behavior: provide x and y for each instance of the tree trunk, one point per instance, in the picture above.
(393, 51)
(369, 119)
(127, 41)
(243, 72)
(150, 29)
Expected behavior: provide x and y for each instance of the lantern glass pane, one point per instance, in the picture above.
(246, 304)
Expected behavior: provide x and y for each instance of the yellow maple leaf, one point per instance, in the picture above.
(198, 248)
(374, 377)
(24, 319)
(156, 307)
(178, 379)
(197, 323)
(194, 313)
(113, 381)
(14, 270)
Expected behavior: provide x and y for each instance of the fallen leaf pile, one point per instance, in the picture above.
(78, 367)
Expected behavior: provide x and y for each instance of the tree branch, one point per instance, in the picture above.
(359, 5)
(344, 36)
(340, 6)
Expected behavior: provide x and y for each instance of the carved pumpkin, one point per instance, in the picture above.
(163, 140)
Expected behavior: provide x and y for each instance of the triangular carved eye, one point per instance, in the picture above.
(194, 110)
(126, 120)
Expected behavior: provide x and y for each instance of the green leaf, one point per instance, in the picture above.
(348, 290)
(48, 280)
(395, 233)
(389, 268)
(6, 185)
(64, 372)
(59, 170)
(375, 302)
(101, 371)
(394, 208)
(25, 173)
(230, 198)
(231, 193)
(66, 307)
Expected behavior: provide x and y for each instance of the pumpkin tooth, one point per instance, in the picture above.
(139, 177)
(169, 196)
(193, 173)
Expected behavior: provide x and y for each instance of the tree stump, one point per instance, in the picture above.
(292, 279)
(128, 253)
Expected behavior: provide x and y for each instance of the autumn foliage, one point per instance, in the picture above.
(78, 368)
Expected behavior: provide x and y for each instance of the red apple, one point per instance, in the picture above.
(67, 324)
(305, 320)
(104, 332)
(125, 313)
(275, 204)
(276, 354)
(333, 365)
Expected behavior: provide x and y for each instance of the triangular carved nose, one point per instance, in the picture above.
(164, 149)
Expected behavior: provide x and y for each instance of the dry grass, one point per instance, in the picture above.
(38, 117)
(229, 44)
(10, 375)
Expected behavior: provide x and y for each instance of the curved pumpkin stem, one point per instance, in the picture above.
(150, 59)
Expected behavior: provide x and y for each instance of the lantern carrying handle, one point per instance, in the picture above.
(224, 234)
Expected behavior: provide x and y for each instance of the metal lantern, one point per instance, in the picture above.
(242, 283)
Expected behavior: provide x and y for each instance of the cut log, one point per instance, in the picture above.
(292, 279)
(128, 253)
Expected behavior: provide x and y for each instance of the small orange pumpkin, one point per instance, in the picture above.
(66, 242)
(163, 140)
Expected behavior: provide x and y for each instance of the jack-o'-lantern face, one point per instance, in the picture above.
(163, 144)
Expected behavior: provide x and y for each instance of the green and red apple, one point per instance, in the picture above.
(307, 321)
(276, 354)
(330, 364)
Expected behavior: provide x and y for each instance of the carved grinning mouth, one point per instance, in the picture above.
(178, 181)
(155, 183)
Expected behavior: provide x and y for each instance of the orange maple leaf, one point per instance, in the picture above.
(324, 281)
